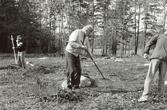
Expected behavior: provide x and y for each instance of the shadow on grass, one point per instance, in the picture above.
(12, 66)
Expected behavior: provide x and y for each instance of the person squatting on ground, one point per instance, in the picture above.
(78, 42)
(21, 51)
(158, 61)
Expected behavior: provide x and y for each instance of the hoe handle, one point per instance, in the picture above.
(95, 64)
(13, 49)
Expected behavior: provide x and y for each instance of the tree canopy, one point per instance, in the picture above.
(119, 25)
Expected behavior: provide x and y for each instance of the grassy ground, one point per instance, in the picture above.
(38, 87)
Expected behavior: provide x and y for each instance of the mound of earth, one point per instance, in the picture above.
(84, 82)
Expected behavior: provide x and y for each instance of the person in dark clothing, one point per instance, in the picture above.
(21, 45)
(77, 43)
(158, 61)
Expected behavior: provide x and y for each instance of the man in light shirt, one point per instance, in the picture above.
(78, 42)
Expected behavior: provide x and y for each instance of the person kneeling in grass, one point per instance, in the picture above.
(78, 41)
(158, 61)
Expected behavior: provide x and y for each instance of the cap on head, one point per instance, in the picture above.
(19, 37)
(88, 27)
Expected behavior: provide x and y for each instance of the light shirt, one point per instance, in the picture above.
(76, 41)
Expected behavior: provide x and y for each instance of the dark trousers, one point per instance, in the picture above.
(73, 68)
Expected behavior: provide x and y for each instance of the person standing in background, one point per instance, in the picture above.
(21, 46)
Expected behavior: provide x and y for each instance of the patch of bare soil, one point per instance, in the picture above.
(38, 87)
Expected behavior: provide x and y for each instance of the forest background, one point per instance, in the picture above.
(121, 27)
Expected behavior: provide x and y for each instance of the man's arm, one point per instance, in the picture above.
(150, 43)
(76, 45)
(72, 41)
(18, 47)
(21, 45)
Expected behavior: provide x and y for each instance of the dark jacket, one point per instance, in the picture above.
(160, 50)
(21, 45)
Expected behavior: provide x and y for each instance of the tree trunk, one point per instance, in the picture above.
(135, 30)
(104, 30)
(50, 28)
(138, 27)
(123, 20)
(145, 34)
(92, 46)
(114, 45)
(125, 47)
(145, 22)
(164, 16)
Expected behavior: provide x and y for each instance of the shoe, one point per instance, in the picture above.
(143, 99)
(69, 87)
(76, 88)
